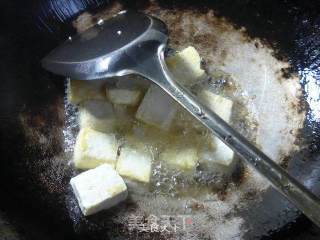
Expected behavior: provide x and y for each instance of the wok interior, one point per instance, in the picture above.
(35, 115)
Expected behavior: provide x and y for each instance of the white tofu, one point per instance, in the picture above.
(94, 148)
(124, 96)
(223, 107)
(82, 90)
(135, 164)
(185, 66)
(156, 138)
(220, 105)
(157, 108)
(98, 115)
(98, 189)
(181, 159)
(221, 155)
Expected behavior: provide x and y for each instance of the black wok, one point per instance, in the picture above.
(34, 203)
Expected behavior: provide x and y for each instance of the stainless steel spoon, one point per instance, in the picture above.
(133, 42)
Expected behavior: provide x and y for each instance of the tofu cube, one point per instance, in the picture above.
(94, 148)
(222, 154)
(135, 164)
(218, 104)
(223, 107)
(124, 96)
(98, 115)
(82, 90)
(181, 159)
(156, 138)
(185, 66)
(98, 189)
(157, 108)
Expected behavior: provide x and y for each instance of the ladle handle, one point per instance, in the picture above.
(156, 70)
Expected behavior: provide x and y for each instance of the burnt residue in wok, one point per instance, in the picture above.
(32, 29)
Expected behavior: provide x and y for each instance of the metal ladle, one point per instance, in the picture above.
(133, 42)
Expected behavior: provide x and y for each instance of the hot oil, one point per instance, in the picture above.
(186, 132)
(206, 184)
